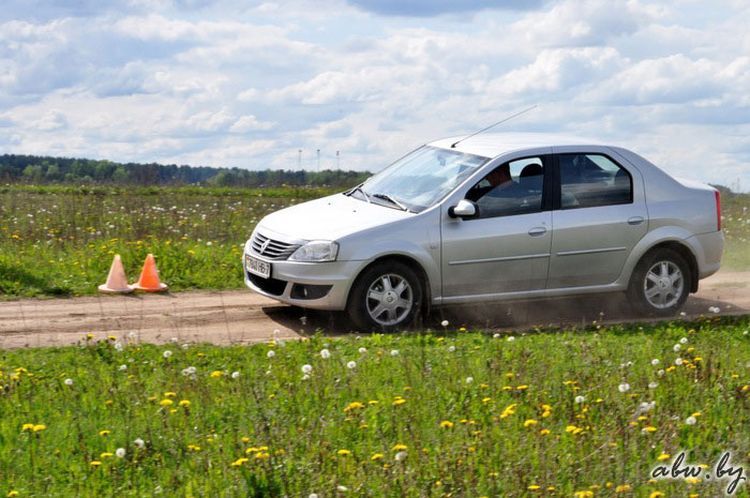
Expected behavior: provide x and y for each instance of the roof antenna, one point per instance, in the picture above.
(495, 124)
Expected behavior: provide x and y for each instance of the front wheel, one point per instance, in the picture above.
(386, 296)
(660, 283)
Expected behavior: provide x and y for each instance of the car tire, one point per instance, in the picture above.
(387, 297)
(660, 283)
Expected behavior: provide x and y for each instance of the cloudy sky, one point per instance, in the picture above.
(206, 82)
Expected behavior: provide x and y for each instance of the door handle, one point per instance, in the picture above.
(537, 231)
(635, 220)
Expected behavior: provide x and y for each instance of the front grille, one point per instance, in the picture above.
(271, 285)
(274, 249)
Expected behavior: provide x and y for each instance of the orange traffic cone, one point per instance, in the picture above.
(149, 280)
(117, 282)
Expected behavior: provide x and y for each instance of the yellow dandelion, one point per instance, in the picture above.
(239, 462)
(216, 374)
(509, 410)
(185, 403)
(530, 423)
(95, 463)
(262, 455)
(664, 456)
(166, 402)
(377, 456)
(106, 455)
(398, 401)
(354, 405)
(486, 400)
(522, 387)
(343, 453)
(170, 394)
(446, 424)
(27, 427)
(245, 439)
(544, 432)
(399, 447)
(533, 487)
(656, 494)
(583, 494)
(105, 432)
(193, 447)
(623, 488)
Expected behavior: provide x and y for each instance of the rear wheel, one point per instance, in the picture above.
(660, 283)
(386, 296)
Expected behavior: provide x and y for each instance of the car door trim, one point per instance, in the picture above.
(494, 260)
(591, 251)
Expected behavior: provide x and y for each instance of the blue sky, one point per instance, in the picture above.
(206, 82)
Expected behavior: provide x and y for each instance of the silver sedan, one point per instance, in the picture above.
(492, 218)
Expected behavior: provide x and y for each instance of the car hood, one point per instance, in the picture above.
(329, 218)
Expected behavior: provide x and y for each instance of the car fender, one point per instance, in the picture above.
(654, 238)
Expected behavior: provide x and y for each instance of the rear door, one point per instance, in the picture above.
(599, 216)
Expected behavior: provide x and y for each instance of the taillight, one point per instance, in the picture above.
(718, 209)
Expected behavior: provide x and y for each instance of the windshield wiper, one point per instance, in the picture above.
(359, 187)
(391, 200)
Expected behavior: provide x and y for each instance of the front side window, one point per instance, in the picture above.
(588, 180)
(512, 188)
(421, 178)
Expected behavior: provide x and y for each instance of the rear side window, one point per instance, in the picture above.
(588, 180)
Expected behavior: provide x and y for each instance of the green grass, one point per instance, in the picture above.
(59, 240)
(327, 430)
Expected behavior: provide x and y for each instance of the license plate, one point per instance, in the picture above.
(258, 266)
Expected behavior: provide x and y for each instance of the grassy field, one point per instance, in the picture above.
(456, 413)
(60, 240)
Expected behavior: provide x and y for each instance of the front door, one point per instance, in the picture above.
(506, 246)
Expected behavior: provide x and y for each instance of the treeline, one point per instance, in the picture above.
(43, 170)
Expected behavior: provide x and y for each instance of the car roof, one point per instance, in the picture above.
(495, 144)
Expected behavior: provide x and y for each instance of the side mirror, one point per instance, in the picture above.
(464, 209)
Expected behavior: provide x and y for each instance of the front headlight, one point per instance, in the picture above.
(316, 250)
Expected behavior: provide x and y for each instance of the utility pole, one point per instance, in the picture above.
(299, 159)
(318, 159)
(338, 160)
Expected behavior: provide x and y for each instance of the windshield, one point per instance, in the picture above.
(420, 179)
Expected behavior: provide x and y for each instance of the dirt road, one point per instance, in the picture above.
(243, 317)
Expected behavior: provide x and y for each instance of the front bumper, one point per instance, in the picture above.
(323, 286)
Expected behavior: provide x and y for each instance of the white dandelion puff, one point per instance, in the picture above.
(68, 382)
(307, 369)
(271, 354)
(624, 387)
(351, 365)
(166, 354)
(579, 399)
(691, 420)
(394, 352)
(120, 452)
(445, 323)
(362, 350)
(235, 375)
(325, 354)
(655, 361)
(139, 443)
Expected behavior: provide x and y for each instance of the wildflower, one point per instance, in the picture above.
(271, 354)
(400, 456)
(166, 402)
(533, 487)
(509, 410)
(307, 369)
(354, 405)
(139, 443)
(678, 361)
(511, 339)
(399, 447)
(451, 349)
(714, 309)
(530, 422)
(684, 340)
(646, 406)
(583, 494)
(445, 323)
(624, 387)
(656, 494)
(691, 420)
(623, 488)
(676, 348)
(105, 432)
(325, 354)
(572, 429)
(394, 352)
(351, 365)
(216, 374)
(446, 424)
(660, 373)
(95, 463)
(362, 350)
(663, 456)
(106, 455)
(579, 399)
(193, 447)
(653, 385)
(342, 489)
(495, 335)
(377, 456)
(655, 361)
(188, 371)
(184, 403)
(398, 400)
(313, 495)
(544, 432)
(12, 493)
(648, 428)
(469, 380)
(166, 354)
(522, 387)
(239, 462)
(122, 368)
